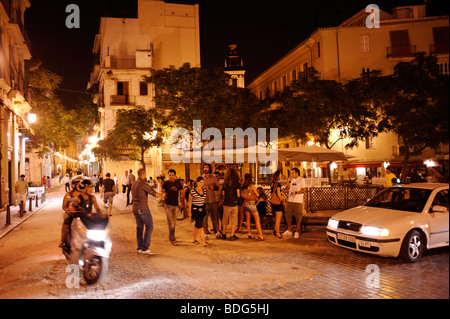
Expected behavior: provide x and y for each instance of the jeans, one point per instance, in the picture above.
(171, 212)
(143, 218)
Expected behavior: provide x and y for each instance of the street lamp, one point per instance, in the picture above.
(31, 118)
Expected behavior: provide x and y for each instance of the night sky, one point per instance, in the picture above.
(263, 30)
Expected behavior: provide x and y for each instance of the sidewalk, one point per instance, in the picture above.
(15, 218)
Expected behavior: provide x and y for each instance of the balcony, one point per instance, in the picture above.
(439, 48)
(404, 51)
(123, 100)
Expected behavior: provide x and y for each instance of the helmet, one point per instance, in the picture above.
(76, 180)
(84, 183)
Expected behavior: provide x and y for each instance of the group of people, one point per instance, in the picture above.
(226, 203)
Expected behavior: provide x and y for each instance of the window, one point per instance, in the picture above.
(143, 88)
(294, 75)
(401, 46)
(122, 88)
(267, 92)
(275, 86)
(440, 35)
(443, 68)
(234, 82)
(364, 43)
(365, 70)
(318, 49)
(284, 83)
(370, 143)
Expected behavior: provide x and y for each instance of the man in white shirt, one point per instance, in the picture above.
(296, 187)
(124, 183)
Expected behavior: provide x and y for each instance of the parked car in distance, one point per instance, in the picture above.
(401, 221)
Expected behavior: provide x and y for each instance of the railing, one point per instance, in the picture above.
(439, 48)
(403, 51)
(123, 100)
(333, 198)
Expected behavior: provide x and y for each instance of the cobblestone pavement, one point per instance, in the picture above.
(305, 268)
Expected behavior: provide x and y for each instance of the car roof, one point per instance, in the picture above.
(430, 186)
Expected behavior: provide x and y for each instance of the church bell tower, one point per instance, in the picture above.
(235, 67)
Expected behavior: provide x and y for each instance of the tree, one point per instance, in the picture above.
(136, 130)
(415, 105)
(314, 109)
(186, 94)
(56, 125)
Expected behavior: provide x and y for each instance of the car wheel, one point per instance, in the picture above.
(412, 247)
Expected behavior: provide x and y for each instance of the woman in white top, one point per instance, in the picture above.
(197, 209)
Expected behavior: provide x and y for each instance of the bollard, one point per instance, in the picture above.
(8, 215)
(37, 200)
(31, 208)
(21, 208)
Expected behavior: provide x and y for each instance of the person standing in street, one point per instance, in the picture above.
(124, 183)
(21, 189)
(231, 193)
(171, 192)
(389, 176)
(66, 182)
(131, 179)
(140, 190)
(296, 187)
(249, 193)
(108, 191)
(197, 209)
(211, 184)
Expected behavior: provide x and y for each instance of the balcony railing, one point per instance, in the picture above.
(123, 100)
(439, 48)
(403, 51)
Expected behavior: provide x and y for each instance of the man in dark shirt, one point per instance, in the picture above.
(171, 191)
(140, 190)
(108, 191)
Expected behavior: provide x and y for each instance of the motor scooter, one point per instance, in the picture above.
(88, 245)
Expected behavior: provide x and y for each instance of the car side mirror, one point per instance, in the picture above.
(439, 209)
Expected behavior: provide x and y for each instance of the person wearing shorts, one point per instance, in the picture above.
(108, 192)
(296, 187)
(197, 209)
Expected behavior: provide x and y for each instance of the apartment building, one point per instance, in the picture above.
(125, 49)
(14, 97)
(343, 52)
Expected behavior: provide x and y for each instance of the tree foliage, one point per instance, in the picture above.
(186, 94)
(55, 125)
(135, 131)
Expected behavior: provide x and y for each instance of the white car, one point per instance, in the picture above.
(401, 221)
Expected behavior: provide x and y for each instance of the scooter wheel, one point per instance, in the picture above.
(92, 270)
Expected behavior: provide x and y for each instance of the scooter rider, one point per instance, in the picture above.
(69, 206)
(84, 204)
(79, 200)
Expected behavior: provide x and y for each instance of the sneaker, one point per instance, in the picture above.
(296, 234)
(147, 252)
(234, 237)
(139, 251)
(287, 233)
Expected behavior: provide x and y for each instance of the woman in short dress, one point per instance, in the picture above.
(250, 195)
(197, 209)
(277, 210)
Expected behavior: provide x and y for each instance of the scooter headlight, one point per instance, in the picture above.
(96, 235)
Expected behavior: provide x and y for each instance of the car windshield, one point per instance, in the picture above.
(401, 198)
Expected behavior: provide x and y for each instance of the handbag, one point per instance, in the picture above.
(275, 200)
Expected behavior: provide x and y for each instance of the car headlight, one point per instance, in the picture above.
(374, 231)
(333, 223)
(96, 235)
